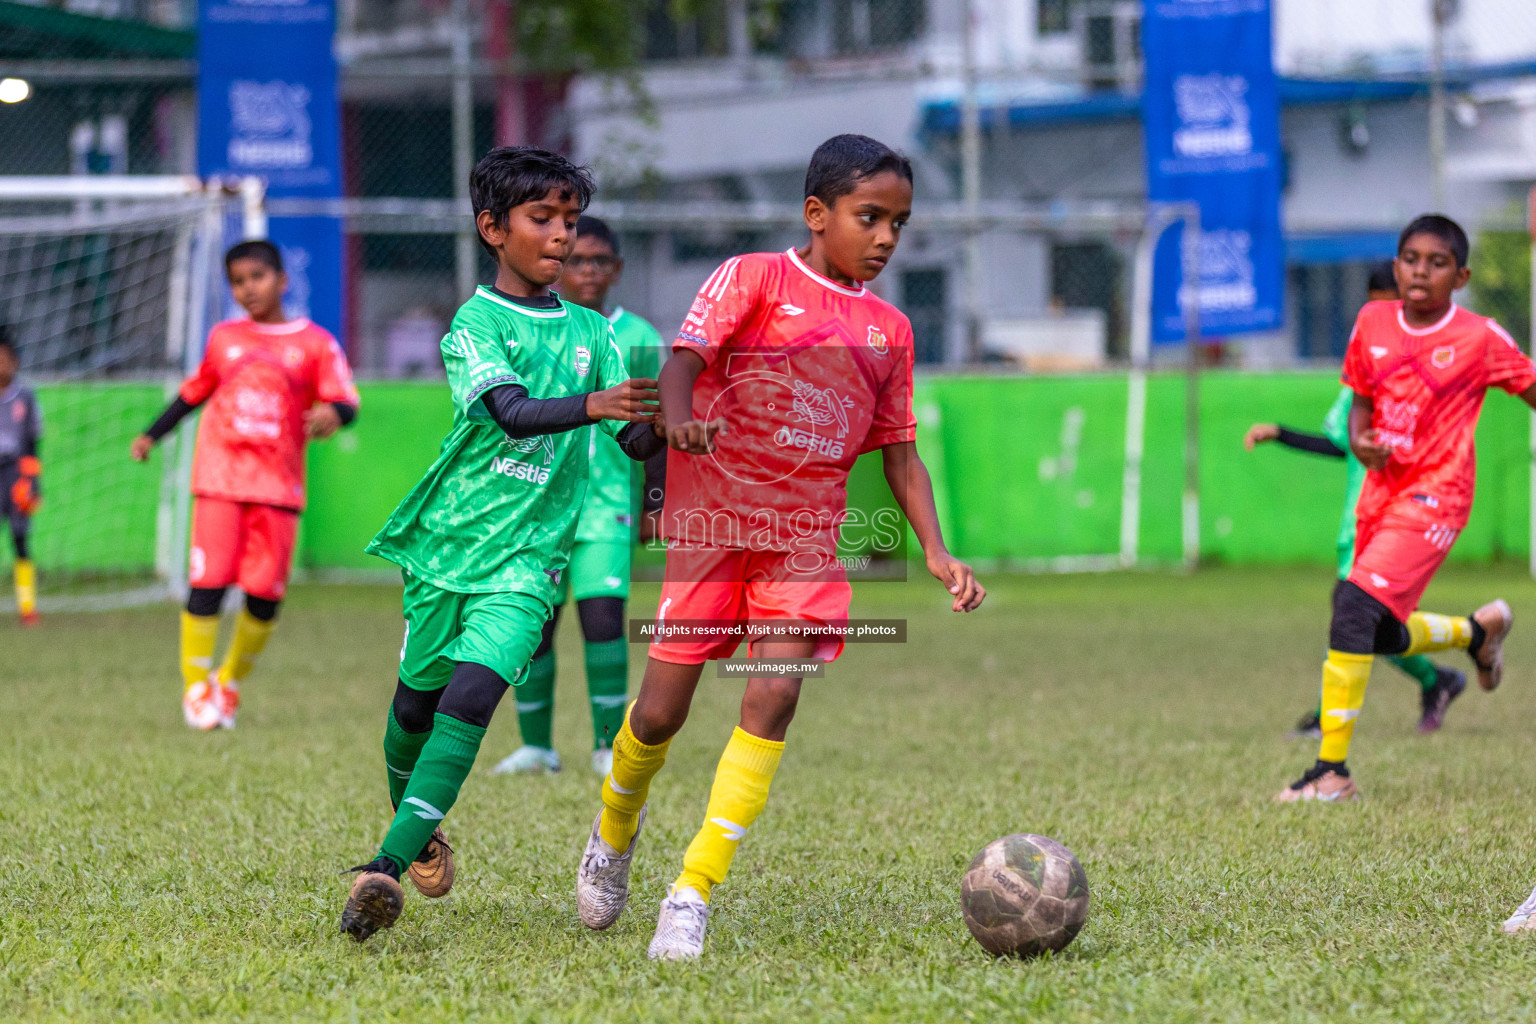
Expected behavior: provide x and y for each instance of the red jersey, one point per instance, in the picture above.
(808, 375)
(258, 381)
(1427, 386)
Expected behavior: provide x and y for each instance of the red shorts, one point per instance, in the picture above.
(1396, 558)
(735, 585)
(244, 543)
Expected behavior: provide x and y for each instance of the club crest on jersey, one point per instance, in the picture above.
(876, 340)
(821, 406)
(1443, 356)
(583, 360)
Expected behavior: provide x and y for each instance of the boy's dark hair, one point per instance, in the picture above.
(594, 227)
(7, 341)
(509, 176)
(1443, 228)
(1382, 278)
(840, 163)
(258, 249)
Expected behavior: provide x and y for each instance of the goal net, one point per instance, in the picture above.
(107, 287)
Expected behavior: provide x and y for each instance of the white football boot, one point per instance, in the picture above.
(680, 927)
(528, 761)
(1523, 919)
(200, 705)
(602, 880)
(602, 761)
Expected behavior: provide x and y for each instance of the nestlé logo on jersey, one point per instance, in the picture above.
(819, 407)
(516, 469)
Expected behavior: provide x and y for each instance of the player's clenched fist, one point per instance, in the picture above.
(139, 450)
(634, 400)
(959, 579)
(321, 422)
(696, 437)
(1369, 450)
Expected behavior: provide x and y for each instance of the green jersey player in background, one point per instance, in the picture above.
(484, 539)
(1438, 686)
(598, 576)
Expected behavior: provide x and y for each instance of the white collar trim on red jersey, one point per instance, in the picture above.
(291, 327)
(537, 314)
(794, 257)
(1419, 332)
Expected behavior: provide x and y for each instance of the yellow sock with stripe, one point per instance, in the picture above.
(1344, 679)
(26, 586)
(628, 784)
(738, 796)
(199, 635)
(250, 639)
(1430, 632)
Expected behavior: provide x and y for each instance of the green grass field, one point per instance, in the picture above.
(151, 874)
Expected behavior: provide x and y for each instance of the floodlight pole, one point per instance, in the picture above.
(1440, 12)
(463, 146)
(1190, 258)
(970, 182)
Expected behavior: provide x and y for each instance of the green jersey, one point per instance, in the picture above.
(613, 490)
(493, 514)
(1336, 429)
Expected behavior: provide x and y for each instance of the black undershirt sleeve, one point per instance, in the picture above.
(639, 441)
(346, 412)
(1317, 444)
(520, 416)
(173, 414)
(655, 488)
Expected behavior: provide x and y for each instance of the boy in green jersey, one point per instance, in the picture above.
(599, 571)
(484, 539)
(1438, 686)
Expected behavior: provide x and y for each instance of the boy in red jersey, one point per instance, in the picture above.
(271, 384)
(786, 369)
(1419, 369)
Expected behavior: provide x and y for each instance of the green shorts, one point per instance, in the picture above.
(499, 631)
(598, 568)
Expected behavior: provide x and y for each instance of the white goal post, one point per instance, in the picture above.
(108, 285)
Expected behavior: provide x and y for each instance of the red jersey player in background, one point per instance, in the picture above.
(786, 369)
(1419, 368)
(270, 385)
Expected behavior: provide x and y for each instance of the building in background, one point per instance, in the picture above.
(725, 105)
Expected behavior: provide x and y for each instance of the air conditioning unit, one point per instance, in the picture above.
(1109, 39)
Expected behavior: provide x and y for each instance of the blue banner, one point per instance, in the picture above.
(1212, 121)
(268, 106)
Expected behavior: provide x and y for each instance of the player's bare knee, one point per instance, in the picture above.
(769, 706)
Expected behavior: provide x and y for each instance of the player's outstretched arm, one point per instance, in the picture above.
(1300, 440)
(633, 400)
(913, 489)
(173, 414)
(686, 434)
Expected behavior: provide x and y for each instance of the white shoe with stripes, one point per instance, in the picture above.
(680, 926)
(602, 880)
(528, 761)
(1523, 919)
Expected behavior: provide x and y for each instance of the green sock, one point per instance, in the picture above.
(607, 688)
(401, 749)
(536, 702)
(434, 785)
(1420, 668)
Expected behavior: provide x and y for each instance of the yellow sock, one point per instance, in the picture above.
(628, 784)
(199, 634)
(26, 586)
(1430, 632)
(1344, 679)
(250, 637)
(738, 796)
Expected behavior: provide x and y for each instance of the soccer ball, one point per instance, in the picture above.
(1024, 894)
